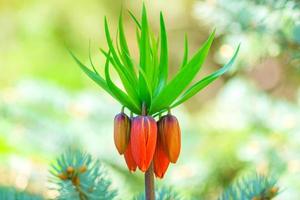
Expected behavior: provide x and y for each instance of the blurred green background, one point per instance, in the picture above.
(247, 121)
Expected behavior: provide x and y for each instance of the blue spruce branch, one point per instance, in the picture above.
(10, 193)
(258, 187)
(77, 176)
(164, 193)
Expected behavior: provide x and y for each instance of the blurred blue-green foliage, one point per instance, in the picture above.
(246, 121)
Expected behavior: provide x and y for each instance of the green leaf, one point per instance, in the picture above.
(138, 37)
(122, 97)
(95, 77)
(145, 64)
(127, 60)
(144, 76)
(183, 78)
(127, 84)
(121, 69)
(155, 61)
(110, 43)
(124, 47)
(128, 77)
(135, 20)
(205, 81)
(163, 64)
(186, 52)
(90, 58)
(145, 43)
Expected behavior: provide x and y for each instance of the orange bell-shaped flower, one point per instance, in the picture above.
(121, 132)
(143, 140)
(169, 130)
(160, 159)
(129, 159)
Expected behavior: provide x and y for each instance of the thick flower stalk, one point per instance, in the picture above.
(147, 93)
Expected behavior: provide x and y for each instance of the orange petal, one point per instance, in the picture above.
(151, 132)
(129, 159)
(137, 138)
(170, 136)
(121, 132)
(160, 160)
(143, 140)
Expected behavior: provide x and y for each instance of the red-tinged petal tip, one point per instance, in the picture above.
(160, 160)
(129, 159)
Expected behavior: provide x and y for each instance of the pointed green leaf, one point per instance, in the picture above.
(110, 43)
(124, 47)
(138, 37)
(183, 78)
(205, 81)
(145, 43)
(128, 62)
(155, 61)
(144, 76)
(144, 93)
(129, 87)
(95, 77)
(128, 74)
(128, 77)
(186, 52)
(90, 58)
(135, 20)
(163, 64)
(122, 97)
(145, 59)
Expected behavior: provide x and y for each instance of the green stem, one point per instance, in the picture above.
(144, 109)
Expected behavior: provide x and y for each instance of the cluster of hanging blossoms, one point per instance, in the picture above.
(142, 140)
(147, 92)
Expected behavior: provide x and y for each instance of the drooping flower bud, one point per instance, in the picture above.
(143, 140)
(129, 159)
(121, 132)
(169, 130)
(160, 159)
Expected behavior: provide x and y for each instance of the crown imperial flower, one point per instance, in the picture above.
(147, 89)
(170, 135)
(143, 140)
(121, 132)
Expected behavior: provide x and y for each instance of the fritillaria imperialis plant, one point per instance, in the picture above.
(145, 143)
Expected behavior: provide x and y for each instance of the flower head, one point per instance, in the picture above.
(170, 134)
(143, 140)
(121, 132)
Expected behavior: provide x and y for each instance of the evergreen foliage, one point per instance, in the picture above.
(256, 187)
(162, 194)
(10, 193)
(78, 176)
